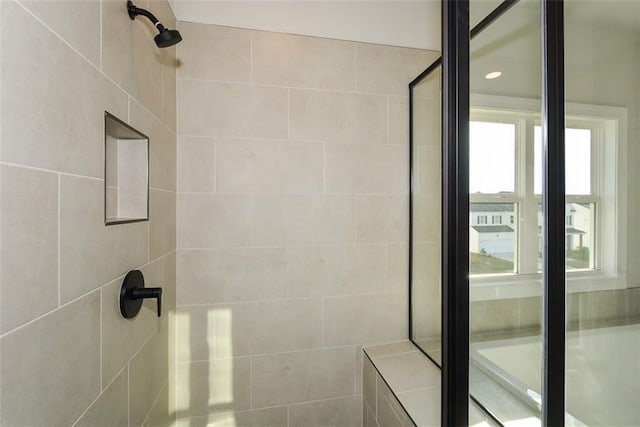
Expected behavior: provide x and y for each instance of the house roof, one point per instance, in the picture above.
(571, 230)
(491, 207)
(492, 228)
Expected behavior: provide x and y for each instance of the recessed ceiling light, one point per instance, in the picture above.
(493, 75)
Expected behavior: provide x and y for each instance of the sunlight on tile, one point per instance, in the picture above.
(183, 398)
(221, 385)
(223, 333)
(224, 420)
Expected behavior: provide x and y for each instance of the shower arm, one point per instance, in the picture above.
(135, 11)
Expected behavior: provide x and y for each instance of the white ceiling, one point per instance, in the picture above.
(391, 22)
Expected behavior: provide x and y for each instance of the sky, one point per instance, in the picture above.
(492, 159)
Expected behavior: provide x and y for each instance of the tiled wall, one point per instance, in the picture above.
(292, 221)
(66, 355)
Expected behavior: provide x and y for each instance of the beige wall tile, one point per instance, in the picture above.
(399, 120)
(77, 22)
(148, 372)
(356, 168)
(268, 417)
(211, 52)
(130, 56)
(227, 275)
(426, 117)
(195, 333)
(50, 369)
(408, 371)
(424, 406)
(267, 327)
(210, 220)
(121, 337)
(111, 407)
(309, 62)
(336, 270)
(213, 386)
(162, 222)
(29, 274)
(365, 319)
(494, 316)
(390, 413)
(388, 69)
(338, 117)
(302, 376)
(162, 147)
(397, 268)
(161, 415)
(169, 280)
(302, 220)
(268, 167)
(233, 110)
(40, 70)
(382, 219)
(369, 419)
(369, 380)
(342, 412)
(196, 164)
(169, 94)
(92, 254)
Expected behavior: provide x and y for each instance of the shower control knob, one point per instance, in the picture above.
(133, 292)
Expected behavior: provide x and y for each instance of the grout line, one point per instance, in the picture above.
(101, 340)
(302, 88)
(59, 233)
(39, 169)
(288, 114)
(215, 166)
(98, 397)
(128, 393)
(387, 119)
(343, 195)
(324, 168)
(322, 323)
(288, 415)
(297, 298)
(251, 57)
(101, 33)
(250, 382)
(245, 356)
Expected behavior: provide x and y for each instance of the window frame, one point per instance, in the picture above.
(608, 127)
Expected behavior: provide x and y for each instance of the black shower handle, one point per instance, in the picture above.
(133, 292)
(142, 293)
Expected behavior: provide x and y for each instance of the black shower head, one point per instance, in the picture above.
(166, 37)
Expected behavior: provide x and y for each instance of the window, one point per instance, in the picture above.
(506, 182)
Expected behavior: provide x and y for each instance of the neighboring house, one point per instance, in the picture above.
(492, 229)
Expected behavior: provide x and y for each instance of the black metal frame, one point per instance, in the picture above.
(455, 213)
(455, 263)
(554, 269)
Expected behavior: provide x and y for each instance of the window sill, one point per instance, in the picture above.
(489, 287)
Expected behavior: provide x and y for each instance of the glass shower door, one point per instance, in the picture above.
(505, 212)
(602, 65)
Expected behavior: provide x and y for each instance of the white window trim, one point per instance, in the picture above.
(611, 193)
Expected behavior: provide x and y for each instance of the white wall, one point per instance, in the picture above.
(397, 22)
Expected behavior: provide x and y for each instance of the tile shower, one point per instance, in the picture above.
(279, 241)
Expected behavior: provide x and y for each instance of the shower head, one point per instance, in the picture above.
(165, 37)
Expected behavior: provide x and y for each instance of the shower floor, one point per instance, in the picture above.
(603, 375)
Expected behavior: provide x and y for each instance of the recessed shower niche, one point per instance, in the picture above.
(126, 172)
